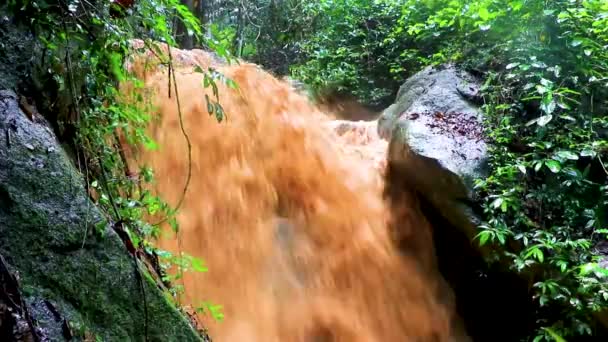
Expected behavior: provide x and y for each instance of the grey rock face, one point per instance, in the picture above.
(71, 266)
(16, 47)
(437, 119)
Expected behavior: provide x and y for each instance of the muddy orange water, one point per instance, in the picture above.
(286, 208)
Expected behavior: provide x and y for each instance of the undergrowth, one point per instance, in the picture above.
(546, 103)
(83, 47)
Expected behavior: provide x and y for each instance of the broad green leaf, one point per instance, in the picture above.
(174, 224)
(588, 153)
(576, 42)
(209, 104)
(548, 107)
(497, 203)
(484, 14)
(553, 165)
(573, 172)
(546, 82)
(544, 120)
(541, 89)
(198, 265)
(531, 122)
(483, 237)
(554, 335)
(501, 238)
(567, 155)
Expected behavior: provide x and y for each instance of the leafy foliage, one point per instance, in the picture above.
(354, 50)
(546, 100)
(551, 197)
(263, 31)
(84, 47)
(546, 70)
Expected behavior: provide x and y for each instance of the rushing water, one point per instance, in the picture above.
(295, 217)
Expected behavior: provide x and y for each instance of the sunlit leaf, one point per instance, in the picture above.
(553, 165)
(544, 120)
(511, 65)
(484, 14)
(497, 202)
(588, 153)
(567, 155)
(554, 335)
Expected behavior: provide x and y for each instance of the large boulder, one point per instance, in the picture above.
(436, 125)
(63, 269)
(436, 113)
(436, 143)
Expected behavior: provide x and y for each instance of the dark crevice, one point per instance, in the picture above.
(494, 305)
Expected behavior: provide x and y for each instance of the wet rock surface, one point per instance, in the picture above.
(436, 141)
(437, 117)
(74, 273)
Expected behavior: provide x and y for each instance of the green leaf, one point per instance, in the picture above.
(588, 268)
(511, 65)
(503, 207)
(540, 89)
(501, 238)
(567, 155)
(209, 104)
(231, 84)
(219, 112)
(548, 107)
(553, 165)
(554, 335)
(497, 203)
(563, 265)
(573, 172)
(174, 225)
(484, 14)
(198, 265)
(484, 236)
(544, 120)
(588, 153)
(536, 253)
(546, 82)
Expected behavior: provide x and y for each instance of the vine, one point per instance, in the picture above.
(84, 45)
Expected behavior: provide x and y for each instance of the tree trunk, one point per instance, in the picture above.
(239, 33)
(185, 40)
(205, 7)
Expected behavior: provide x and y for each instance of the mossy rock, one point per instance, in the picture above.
(72, 267)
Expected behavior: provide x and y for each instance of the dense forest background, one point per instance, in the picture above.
(545, 65)
(545, 96)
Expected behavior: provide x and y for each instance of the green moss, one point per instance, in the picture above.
(47, 236)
